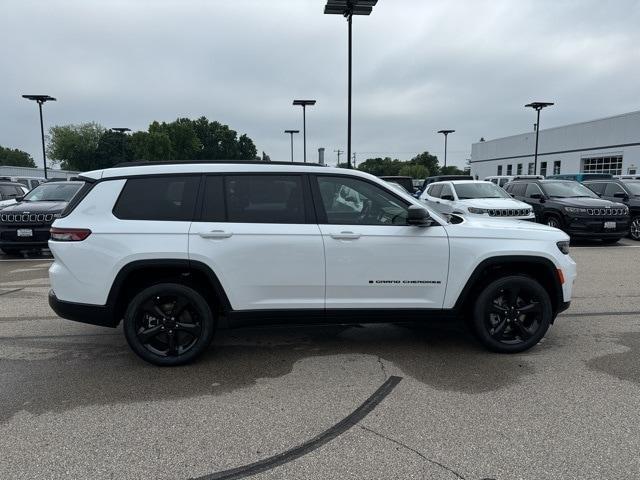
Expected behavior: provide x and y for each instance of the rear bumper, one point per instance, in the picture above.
(100, 315)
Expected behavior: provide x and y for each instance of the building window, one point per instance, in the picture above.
(543, 169)
(519, 169)
(556, 167)
(611, 164)
(530, 169)
(499, 170)
(509, 169)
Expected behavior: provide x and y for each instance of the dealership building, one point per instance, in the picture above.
(608, 145)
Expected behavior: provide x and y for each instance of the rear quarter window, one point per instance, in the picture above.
(166, 198)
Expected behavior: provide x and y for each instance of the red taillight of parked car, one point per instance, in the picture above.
(69, 234)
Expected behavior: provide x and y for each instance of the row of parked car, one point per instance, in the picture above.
(26, 214)
(594, 206)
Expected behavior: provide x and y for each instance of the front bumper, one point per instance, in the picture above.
(589, 227)
(9, 236)
(100, 315)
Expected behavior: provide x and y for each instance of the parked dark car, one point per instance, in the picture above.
(9, 191)
(572, 207)
(579, 177)
(624, 191)
(26, 224)
(405, 182)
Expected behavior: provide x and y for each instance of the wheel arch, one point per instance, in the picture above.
(540, 268)
(139, 274)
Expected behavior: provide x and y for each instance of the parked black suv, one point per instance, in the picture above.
(624, 191)
(572, 207)
(26, 224)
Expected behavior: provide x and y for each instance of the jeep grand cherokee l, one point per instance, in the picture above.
(176, 250)
(573, 208)
(26, 224)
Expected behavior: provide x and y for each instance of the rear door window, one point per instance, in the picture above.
(166, 198)
(264, 199)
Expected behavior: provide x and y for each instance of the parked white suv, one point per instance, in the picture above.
(474, 197)
(177, 250)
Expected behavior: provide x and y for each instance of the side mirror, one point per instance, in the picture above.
(19, 198)
(621, 195)
(418, 216)
(447, 197)
(536, 196)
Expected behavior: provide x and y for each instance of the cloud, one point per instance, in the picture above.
(418, 67)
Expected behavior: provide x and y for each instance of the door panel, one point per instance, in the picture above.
(256, 235)
(373, 258)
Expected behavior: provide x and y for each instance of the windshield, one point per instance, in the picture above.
(53, 192)
(567, 190)
(633, 187)
(467, 191)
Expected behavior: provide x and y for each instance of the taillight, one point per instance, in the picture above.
(69, 234)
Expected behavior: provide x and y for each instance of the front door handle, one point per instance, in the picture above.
(215, 234)
(345, 236)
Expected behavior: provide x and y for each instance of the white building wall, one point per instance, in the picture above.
(570, 144)
(9, 171)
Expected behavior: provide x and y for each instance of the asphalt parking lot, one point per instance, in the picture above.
(380, 401)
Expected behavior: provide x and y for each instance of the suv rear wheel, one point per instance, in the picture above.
(512, 314)
(169, 324)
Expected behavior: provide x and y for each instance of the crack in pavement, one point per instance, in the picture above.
(407, 447)
(12, 291)
(383, 368)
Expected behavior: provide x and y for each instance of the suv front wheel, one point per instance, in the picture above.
(169, 324)
(512, 314)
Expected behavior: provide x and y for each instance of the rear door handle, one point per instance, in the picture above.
(215, 234)
(345, 236)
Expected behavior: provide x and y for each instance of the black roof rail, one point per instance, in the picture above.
(186, 162)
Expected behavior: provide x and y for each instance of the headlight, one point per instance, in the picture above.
(563, 246)
(575, 210)
(478, 211)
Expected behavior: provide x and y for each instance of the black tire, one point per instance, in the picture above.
(634, 228)
(499, 321)
(553, 221)
(11, 251)
(610, 241)
(169, 324)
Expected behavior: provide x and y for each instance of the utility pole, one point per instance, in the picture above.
(354, 160)
(339, 152)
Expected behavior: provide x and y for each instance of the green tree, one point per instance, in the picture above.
(75, 147)
(110, 149)
(154, 146)
(414, 171)
(381, 166)
(452, 170)
(15, 158)
(430, 162)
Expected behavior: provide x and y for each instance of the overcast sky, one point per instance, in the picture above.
(419, 66)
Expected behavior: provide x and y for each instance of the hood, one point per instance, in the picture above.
(35, 207)
(484, 227)
(585, 202)
(493, 203)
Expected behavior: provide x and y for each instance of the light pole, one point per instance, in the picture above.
(40, 99)
(122, 130)
(291, 132)
(537, 106)
(349, 8)
(446, 134)
(304, 104)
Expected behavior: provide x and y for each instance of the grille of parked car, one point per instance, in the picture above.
(508, 212)
(26, 217)
(607, 211)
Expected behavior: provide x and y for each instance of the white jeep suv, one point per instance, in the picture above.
(176, 250)
(474, 197)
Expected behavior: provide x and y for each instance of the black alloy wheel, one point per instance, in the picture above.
(169, 324)
(553, 221)
(512, 314)
(634, 229)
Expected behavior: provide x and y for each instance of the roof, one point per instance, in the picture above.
(159, 168)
